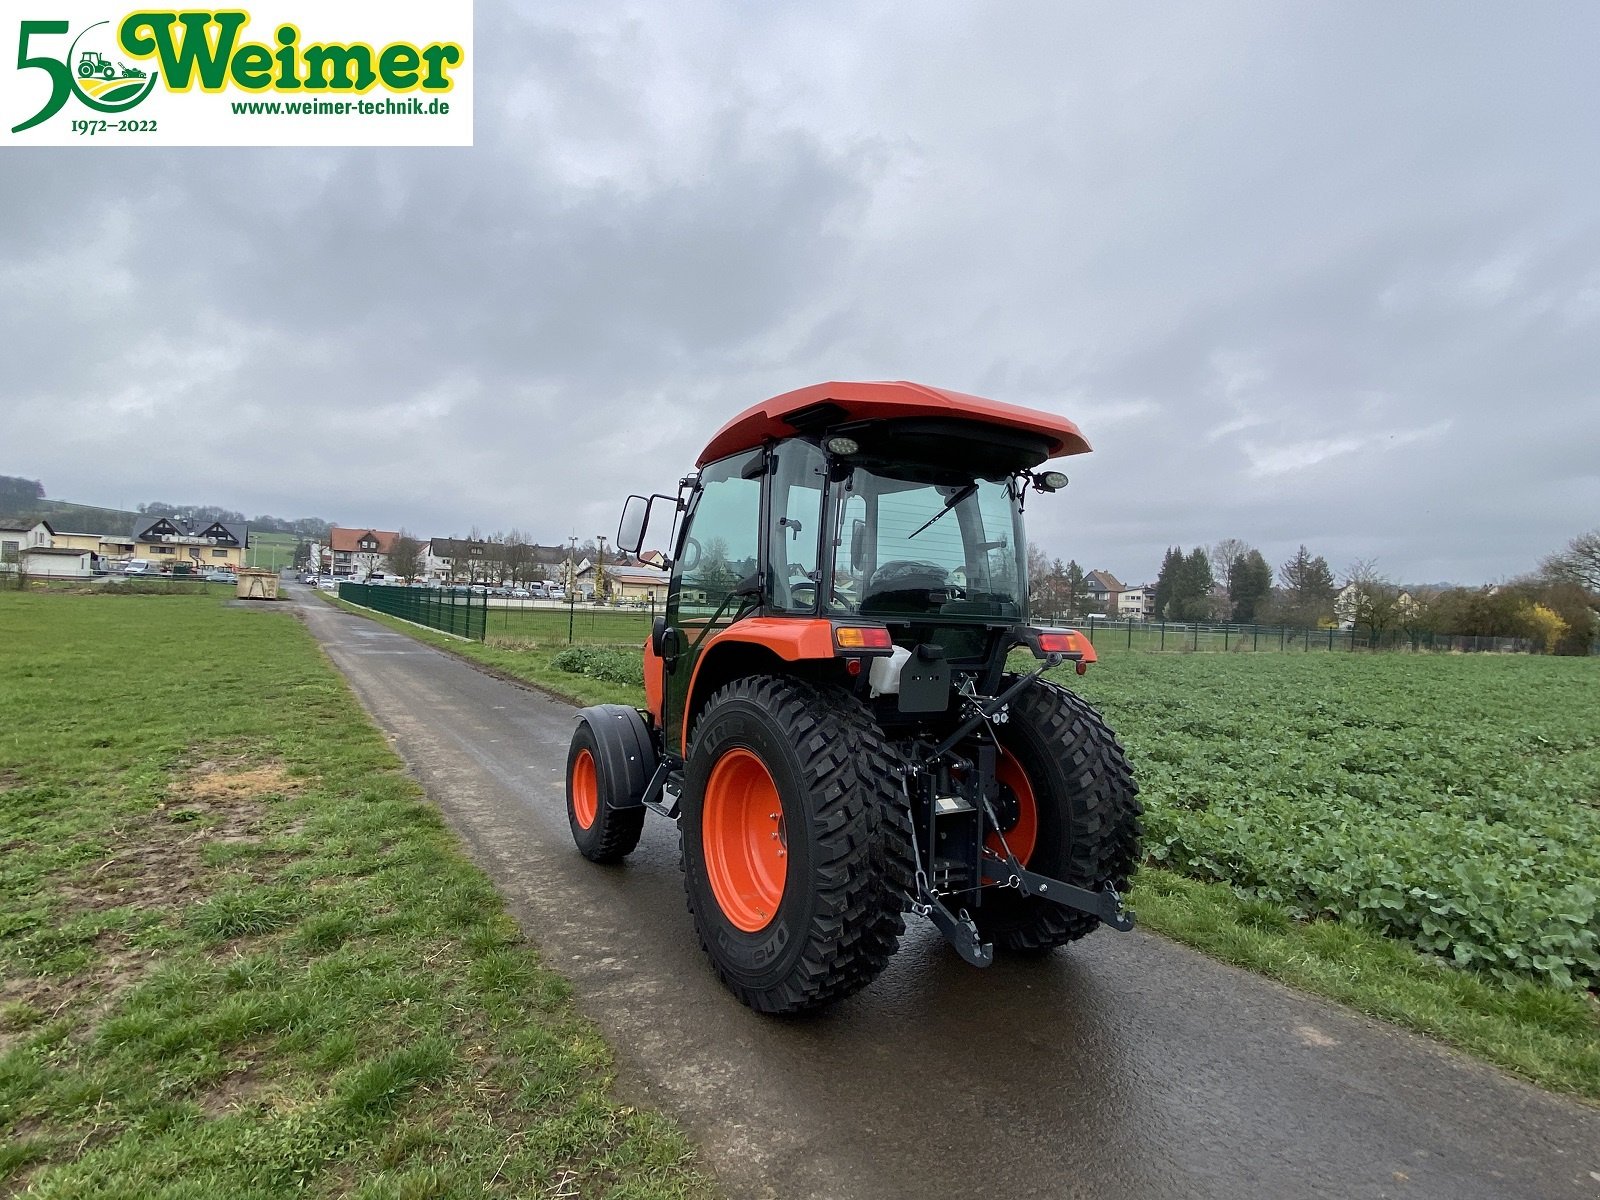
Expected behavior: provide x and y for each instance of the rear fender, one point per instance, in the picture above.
(753, 646)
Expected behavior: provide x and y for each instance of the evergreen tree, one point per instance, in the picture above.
(1074, 583)
(1191, 598)
(1171, 567)
(1249, 585)
(1308, 588)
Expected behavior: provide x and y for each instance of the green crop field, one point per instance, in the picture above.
(1451, 801)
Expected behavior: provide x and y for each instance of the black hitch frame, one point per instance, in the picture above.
(951, 821)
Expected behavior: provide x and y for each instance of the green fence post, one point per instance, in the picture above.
(1225, 629)
(1163, 645)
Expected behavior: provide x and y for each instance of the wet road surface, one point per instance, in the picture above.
(1126, 1067)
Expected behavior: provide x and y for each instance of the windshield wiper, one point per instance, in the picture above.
(956, 498)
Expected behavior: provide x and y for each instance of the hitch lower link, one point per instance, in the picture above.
(1004, 871)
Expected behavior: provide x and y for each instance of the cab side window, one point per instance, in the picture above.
(797, 483)
(723, 541)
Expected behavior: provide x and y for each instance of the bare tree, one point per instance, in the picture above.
(1578, 564)
(405, 556)
(1371, 600)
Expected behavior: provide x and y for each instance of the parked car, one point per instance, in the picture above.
(220, 576)
(328, 584)
(139, 566)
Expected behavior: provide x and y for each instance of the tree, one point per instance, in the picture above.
(1038, 572)
(1578, 564)
(1191, 592)
(1227, 552)
(1308, 589)
(1171, 567)
(1249, 586)
(1075, 581)
(405, 556)
(1370, 600)
(18, 495)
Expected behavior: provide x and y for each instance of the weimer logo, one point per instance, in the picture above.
(272, 70)
(88, 72)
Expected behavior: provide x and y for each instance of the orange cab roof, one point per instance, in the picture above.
(881, 401)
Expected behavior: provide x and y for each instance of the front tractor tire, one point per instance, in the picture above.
(608, 766)
(795, 843)
(1072, 808)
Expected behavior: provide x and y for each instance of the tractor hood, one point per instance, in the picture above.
(827, 405)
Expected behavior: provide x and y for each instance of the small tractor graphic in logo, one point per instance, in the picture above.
(95, 63)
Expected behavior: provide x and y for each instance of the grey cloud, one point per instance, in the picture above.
(1320, 275)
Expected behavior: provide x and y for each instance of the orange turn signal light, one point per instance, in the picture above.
(1056, 641)
(857, 637)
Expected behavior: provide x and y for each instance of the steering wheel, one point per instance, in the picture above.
(905, 574)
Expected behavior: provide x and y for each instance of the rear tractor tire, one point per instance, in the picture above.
(1072, 807)
(608, 767)
(795, 843)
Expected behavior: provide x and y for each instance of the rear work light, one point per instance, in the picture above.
(862, 637)
(1057, 641)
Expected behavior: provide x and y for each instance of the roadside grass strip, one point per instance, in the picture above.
(240, 955)
(1414, 836)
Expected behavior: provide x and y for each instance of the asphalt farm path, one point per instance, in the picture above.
(1125, 1068)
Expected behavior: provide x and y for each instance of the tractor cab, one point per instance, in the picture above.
(830, 713)
(856, 536)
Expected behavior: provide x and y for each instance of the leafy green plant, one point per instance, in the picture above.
(604, 663)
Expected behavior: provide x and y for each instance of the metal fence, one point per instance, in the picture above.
(454, 611)
(1200, 635)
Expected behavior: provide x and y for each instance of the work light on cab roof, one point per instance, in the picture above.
(847, 708)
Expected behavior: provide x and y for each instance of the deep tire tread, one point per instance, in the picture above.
(861, 858)
(1094, 781)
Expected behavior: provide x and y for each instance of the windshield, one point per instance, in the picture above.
(906, 547)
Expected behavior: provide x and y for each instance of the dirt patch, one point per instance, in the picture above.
(230, 1093)
(157, 863)
(223, 780)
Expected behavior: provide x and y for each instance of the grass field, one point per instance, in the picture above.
(1412, 835)
(272, 551)
(241, 956)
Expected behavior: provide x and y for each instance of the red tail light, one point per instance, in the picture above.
(862, 637)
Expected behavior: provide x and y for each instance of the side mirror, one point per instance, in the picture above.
(630, 530)
(858, 544)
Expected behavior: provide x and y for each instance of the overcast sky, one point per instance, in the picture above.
(1301, 273)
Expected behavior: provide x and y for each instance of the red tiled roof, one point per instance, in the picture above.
(349, 540)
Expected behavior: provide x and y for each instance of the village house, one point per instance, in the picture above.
(172, 544)
(358, 553)
(1102, 589)
(1136, 603)
(18, 534)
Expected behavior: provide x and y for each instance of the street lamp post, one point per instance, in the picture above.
(572, 586)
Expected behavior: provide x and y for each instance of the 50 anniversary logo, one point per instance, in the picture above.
(111, 67)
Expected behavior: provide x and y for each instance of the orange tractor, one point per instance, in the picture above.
(832, 714)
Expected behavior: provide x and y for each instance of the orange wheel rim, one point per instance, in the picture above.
(1024, 835)
(585, 790)
(746, 844)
